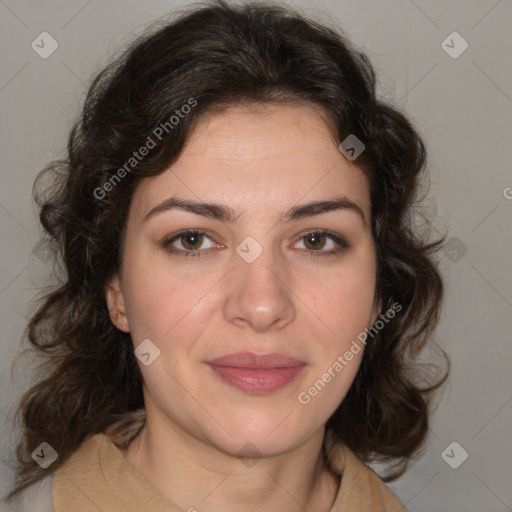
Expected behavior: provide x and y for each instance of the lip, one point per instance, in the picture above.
(257, 373)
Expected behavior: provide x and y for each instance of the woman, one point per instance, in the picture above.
(244, 296)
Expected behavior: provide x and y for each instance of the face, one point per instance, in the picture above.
(290, 284)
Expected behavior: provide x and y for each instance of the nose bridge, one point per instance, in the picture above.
(257, 264)
(258, 294)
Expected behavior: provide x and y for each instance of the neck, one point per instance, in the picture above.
(196, 475)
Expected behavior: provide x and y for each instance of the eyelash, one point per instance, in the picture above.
(340, 241)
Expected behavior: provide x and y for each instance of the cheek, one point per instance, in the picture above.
(160, 301)
(342, 308)
(343, 300)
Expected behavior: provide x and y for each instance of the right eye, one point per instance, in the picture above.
(190, 241)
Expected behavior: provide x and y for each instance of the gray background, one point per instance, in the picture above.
(462, 107)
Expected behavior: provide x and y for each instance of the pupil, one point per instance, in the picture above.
(194, 237)
(315, 238)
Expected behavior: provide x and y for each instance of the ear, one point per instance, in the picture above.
(115, 303)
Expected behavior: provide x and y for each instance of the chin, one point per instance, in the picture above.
(266, 435)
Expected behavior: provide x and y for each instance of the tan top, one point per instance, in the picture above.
(98, 478)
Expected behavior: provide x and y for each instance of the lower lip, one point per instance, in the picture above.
(257, 381)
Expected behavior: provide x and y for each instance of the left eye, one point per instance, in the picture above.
(317, 240)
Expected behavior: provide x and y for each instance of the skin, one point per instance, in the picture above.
(260, 162)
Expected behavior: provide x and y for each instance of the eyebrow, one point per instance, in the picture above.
(225, 214)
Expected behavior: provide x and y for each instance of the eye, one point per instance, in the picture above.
(190, 241)
(317, 241)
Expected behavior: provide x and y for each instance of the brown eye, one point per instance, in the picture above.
(192, 241)
(315, 241)
(188, 243)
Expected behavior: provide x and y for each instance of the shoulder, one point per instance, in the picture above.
(374, 489)
(35, 498)
(361, 487)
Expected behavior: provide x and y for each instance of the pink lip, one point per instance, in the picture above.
(257, 374)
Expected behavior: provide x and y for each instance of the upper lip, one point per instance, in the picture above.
(256, 361)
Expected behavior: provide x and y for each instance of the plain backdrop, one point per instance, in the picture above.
(460, 102)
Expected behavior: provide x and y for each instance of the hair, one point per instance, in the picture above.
(216, 56)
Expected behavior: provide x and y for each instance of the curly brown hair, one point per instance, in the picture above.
(219, 55)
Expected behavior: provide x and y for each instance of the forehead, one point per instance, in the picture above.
(268, 157)
(275, 127)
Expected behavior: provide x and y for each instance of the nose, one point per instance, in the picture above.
(259, 294)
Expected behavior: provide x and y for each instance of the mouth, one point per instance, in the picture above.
(257, 374)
